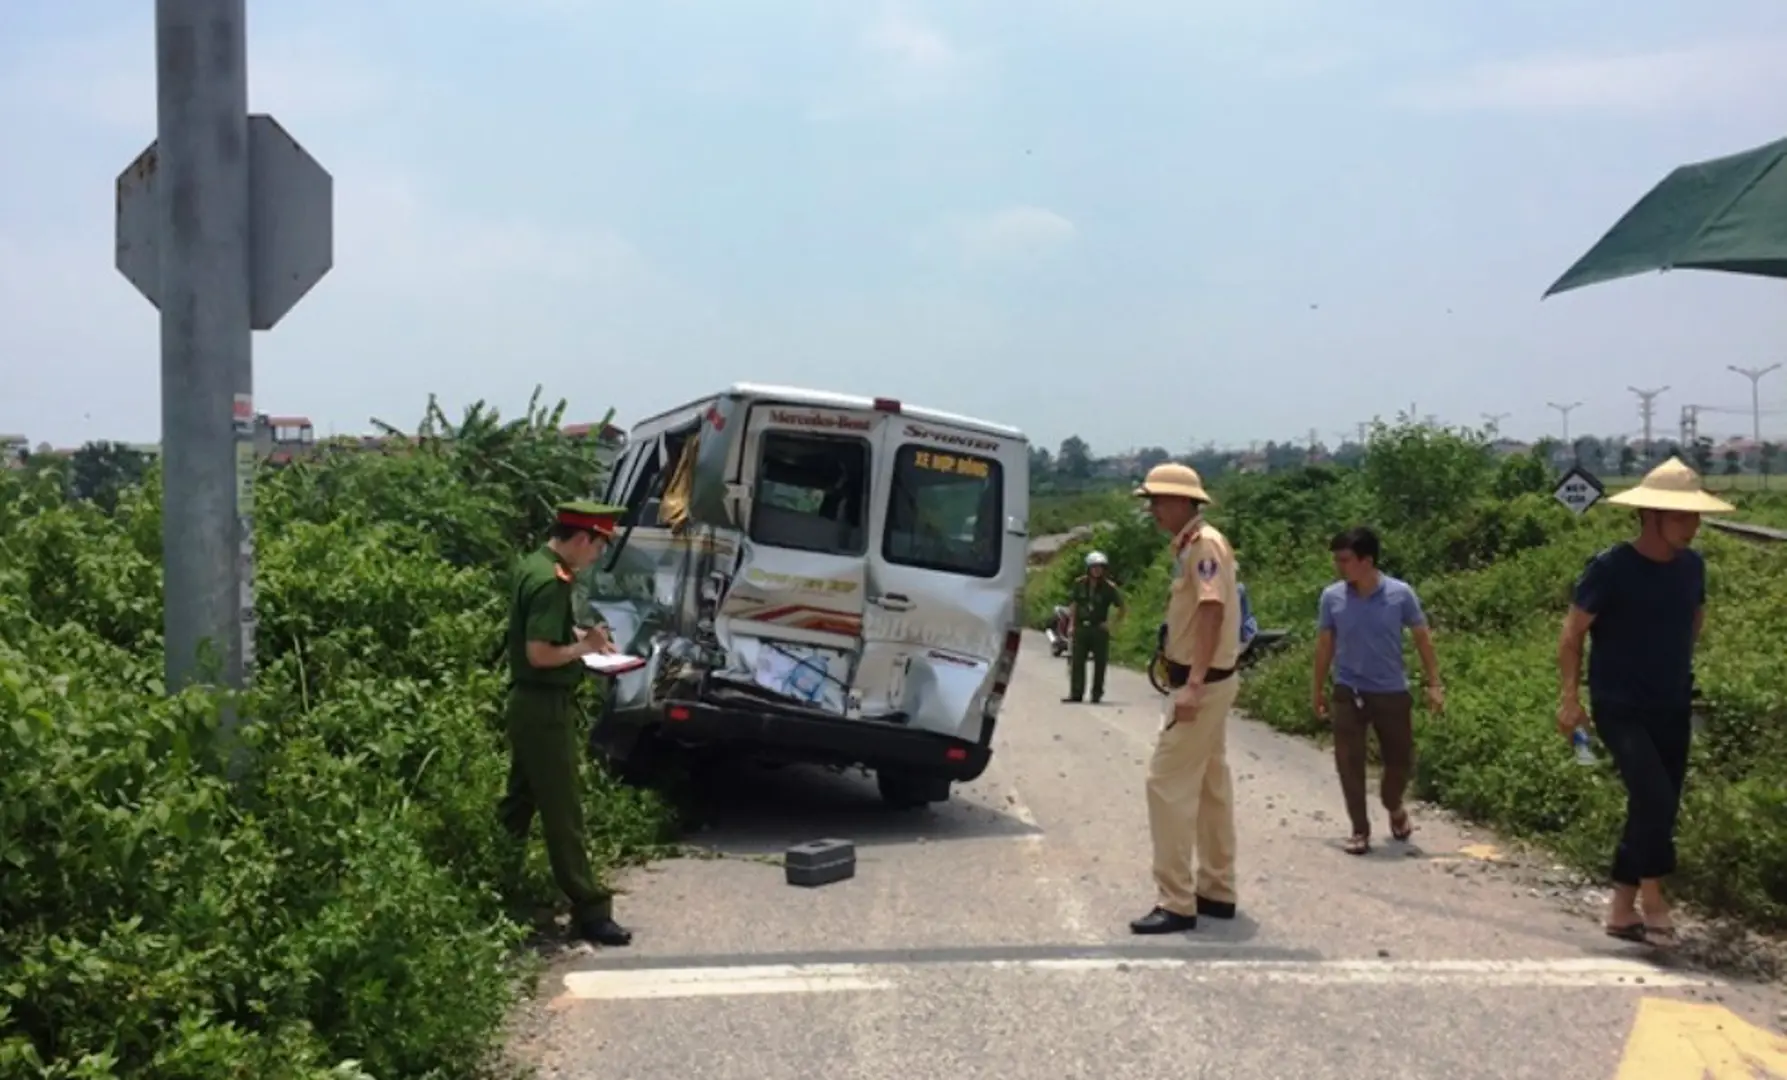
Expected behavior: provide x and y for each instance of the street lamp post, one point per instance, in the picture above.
(1564, 411)
(1755, 376)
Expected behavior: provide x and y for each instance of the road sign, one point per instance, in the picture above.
(1579, 489)
(291, 214)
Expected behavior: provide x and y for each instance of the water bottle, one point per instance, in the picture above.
(1579, 740)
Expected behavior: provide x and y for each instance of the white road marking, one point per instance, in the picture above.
(1021, 810)
(723, 981)
(837, 978)
(1075, 917)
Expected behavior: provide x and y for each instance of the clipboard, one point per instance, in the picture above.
(613, 663)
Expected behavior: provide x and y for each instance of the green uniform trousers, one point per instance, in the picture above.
(542, 729)
(1095, 643)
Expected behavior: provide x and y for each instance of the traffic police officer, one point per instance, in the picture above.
(1191, 800)
(1094, 595)
(545, 651)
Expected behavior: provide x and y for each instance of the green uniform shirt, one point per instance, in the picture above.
(540, 610)
(1093, 601)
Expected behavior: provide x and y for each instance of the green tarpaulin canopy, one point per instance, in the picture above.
(1726, 214)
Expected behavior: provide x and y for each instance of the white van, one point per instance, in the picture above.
(816, 577)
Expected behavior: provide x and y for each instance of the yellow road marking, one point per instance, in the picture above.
(1682, 1040)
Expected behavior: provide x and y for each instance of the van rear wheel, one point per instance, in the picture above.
(902, 790)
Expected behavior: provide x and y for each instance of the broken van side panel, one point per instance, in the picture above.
(713, 501)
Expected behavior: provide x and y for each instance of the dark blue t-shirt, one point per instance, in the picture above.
(1641, 645)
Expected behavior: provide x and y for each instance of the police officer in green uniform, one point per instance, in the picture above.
(1094, 595)
(546, 650)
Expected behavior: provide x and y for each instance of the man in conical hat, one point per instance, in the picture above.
(1641, 604)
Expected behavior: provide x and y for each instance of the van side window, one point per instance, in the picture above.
(647, 487)
(812, 493)
(946, 512)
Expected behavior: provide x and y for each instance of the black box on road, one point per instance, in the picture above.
(820, 862)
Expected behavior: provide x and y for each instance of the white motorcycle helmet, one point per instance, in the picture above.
(1096, 559)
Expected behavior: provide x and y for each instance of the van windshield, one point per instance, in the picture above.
(946, 513)
(812, 493)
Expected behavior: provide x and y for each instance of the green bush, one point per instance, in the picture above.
(350, 907)
(1494, 559)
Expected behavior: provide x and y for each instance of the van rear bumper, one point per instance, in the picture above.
(872, 743)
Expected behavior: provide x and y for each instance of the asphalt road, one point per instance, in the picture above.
(988, 938)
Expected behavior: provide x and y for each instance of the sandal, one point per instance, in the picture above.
(1662, 937)
(1358, 844)
(1632, 931)
(1400, 826)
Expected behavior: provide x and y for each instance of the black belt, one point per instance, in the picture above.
(1180, 674)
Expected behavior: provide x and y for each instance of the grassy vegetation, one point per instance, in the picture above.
(1494, 558)
(1053, 514)
(350, 909)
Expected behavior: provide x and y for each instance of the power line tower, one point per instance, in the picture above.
(1564, 411)
(1690, 426)
(1647, 408)
(1493, 420)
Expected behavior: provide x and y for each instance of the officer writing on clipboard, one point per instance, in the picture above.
(545, 652)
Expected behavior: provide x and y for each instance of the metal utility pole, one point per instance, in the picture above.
(1565, 411)
(223, 223)
(207, 359)
(1494, 421)
(1690, 426)
(1647, 407)
(1755, 376)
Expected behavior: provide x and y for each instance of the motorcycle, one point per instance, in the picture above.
(1060, 632)
(1261, 643)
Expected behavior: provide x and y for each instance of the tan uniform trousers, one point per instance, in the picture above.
(1191, 803)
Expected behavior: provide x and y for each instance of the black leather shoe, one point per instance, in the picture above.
(605, 932)
(1070, 700)
(1216, 909)
(1162, 921)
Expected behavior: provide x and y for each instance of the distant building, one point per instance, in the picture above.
(281, 438)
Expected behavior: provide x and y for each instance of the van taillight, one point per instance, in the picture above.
(1008, 657)
(887, 404)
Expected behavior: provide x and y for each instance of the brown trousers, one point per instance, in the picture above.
(1392, 716)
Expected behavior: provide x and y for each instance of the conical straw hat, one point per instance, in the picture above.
(1672, 486)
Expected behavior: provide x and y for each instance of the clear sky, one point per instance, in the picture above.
(1144, 221)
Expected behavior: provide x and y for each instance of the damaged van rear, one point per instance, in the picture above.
(816, 578)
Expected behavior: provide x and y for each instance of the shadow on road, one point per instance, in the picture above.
(752, 810)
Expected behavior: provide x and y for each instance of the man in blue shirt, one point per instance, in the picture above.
(1360, 622)
(1641, 604)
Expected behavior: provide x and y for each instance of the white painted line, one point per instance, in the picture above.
(723, 981)
(1070, 907)
(1021, 810)
(838, 978)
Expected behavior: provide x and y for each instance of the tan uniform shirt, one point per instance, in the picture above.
(1203, 572)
